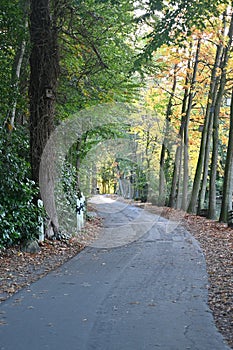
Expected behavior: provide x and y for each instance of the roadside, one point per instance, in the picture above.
(18, 270)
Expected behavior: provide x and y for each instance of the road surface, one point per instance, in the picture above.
(141, 286)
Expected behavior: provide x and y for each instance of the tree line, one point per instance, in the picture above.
(59, 57)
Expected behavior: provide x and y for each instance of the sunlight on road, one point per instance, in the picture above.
(125, 223)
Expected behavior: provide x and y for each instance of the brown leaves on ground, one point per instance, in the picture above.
(216, 241)
(19, 269)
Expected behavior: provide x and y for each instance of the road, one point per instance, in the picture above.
(141, 285)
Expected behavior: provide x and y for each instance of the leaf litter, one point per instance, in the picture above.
(19, 269)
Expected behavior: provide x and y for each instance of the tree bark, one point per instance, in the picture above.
(17, 67)
(186, 128)
(227, 194)
(44, 65)
(162, 177)
(203, 158)
(179, 152)
(214, 161)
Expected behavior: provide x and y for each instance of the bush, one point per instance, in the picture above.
(18, 213)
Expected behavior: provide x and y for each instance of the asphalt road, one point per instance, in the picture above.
(141, 285)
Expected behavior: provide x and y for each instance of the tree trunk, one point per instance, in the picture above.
(44, 64)
(179, 151)
(186, 128)
(230, 207)
(93, 178)
(203, 158)
(210, 116)
(175, 176)
(227, 188)
(162, 180)
(203, 185)
(214, 162)
(179, 185)
(162, 177)
(16, 85)
(214, 159)
(17, 68)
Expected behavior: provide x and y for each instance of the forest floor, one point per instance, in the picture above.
(19, 269)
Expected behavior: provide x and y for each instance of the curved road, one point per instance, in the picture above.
(141, 285)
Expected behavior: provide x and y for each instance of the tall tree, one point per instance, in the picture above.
(180, 178)
(18, 63)
(177, 169)
(201, 180)
(203, 158)
(227, 188)
(44, 64)
(177, 20)
(97, 55)
(186, 127)
(214, 161)
(13, 33)
(165, 147)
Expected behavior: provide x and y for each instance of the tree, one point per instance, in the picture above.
(97, 55)
(13, 37)
(177, 169)
(222, 83)
(212, 111)
(186, 126)
(44, 64)
(177, 20)
(164, 149)
(18, 63)
(80, 33)
(227, 188)
(204, 154)
(201, 173)
(18, 213)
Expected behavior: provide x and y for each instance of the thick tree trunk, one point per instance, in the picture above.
(227, 188)
(44, 64)
(214, 162)
(182, 149)
(210, 116)
(203, 158)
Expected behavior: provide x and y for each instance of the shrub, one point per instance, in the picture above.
(18, 213)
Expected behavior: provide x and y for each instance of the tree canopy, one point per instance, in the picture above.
(170, 60)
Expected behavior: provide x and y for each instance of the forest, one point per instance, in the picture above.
(127, 97)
